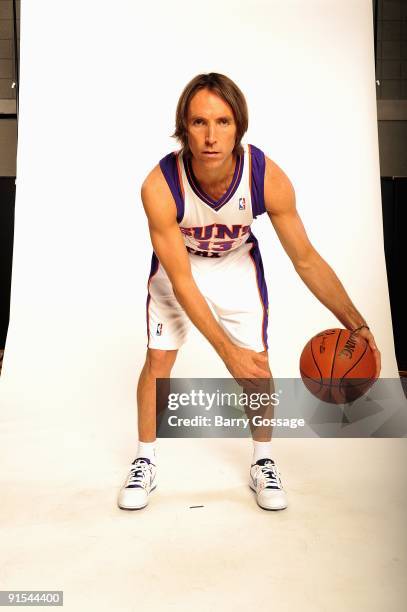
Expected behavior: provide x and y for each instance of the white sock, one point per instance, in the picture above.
(147, 450)
(261, 450)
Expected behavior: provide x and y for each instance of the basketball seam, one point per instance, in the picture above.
(323, 384)
(315, 361)
(334, 355)
(355, 364)
(333, 363)
(305, 376)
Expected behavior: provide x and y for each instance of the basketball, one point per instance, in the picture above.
(337, 366)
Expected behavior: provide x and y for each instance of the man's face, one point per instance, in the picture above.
(211, 128)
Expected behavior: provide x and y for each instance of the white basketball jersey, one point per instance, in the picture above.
(215, 227)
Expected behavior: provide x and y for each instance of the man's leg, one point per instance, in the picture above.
(261, 433)
(264, 476)
(141, 479)
(158, 364)
(245, 317)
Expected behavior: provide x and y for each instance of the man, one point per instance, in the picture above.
(200, 203)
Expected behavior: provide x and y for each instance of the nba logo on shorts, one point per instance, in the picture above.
(159, 329)
(242, 203)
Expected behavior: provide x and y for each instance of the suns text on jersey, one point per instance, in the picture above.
(225, 234)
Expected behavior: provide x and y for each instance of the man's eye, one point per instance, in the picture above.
(197, 122)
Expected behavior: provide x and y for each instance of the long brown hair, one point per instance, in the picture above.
(224, 88)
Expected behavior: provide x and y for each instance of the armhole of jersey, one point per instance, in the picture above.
(171, 170)
(257, 170)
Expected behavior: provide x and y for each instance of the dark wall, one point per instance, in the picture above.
(394, 199)
(7, 197)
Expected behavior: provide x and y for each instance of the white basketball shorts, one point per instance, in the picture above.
(234, 287)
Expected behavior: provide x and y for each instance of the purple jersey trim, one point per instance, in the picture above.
(257, 180)
(168, 165)
(261, 283)
(197, 189)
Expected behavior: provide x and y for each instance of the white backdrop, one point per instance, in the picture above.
(99, 86)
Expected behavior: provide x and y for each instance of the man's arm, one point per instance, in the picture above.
(170, 249)
(319, 277)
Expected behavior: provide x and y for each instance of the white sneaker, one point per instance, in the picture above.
(138, 486)
(265, 481)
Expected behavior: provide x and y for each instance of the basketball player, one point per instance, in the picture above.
(200, 203)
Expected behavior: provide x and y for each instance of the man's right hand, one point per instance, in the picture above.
(245, 364)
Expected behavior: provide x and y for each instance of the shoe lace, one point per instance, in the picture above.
(138, 474)
(271, 476)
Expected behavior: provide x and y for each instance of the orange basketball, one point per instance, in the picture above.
(337, 366)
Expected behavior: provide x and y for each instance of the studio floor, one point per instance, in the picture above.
(340, 545)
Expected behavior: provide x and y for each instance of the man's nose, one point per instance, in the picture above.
(210, 134)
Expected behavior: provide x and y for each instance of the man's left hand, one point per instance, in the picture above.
(368, 336)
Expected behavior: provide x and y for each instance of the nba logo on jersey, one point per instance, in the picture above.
(242, 203)
(159, 329)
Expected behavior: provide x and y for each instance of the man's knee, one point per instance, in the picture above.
(159, 363)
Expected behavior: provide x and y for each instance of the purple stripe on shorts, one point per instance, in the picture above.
(261, 282)
(168, 165)
(154, 267)
(258, 170)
